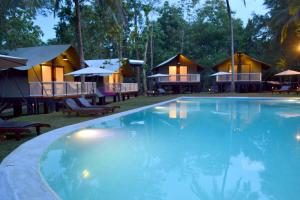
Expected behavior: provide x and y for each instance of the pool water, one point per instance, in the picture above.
(191, 148)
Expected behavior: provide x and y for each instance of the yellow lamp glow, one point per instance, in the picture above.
(90, 134)
(298, 48)
(85, 174)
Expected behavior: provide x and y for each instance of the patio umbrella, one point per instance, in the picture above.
(158, 75)
(288, 73)
(10, 62)
(92, 71)
(220, 73)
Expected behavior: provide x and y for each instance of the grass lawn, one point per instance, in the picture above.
(57, 119)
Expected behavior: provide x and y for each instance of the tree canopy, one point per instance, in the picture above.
(198, 29)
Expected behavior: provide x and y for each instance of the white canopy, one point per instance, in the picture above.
(10, 62)
(96, 71)
(158, 75)
(220, 73)
(288, 73)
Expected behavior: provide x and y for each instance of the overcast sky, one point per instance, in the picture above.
(253, 6)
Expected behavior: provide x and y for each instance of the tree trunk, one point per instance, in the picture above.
(232, 46)
(79, 42)
(145, 61)
(136, 48)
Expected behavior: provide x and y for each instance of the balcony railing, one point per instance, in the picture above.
(60, 89)
(121, 87)
(247, 77)
(179, 78)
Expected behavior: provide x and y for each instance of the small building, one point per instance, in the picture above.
(184, 74)
(42, 78)
(125, 77)
(247, 71)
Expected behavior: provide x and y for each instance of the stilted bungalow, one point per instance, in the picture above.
(184, 74)
(42, 79)
(248, 73)
(125, 77)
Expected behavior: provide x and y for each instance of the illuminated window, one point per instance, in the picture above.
(183, 72)
(172, 72)
(59, 74)
(46, 73)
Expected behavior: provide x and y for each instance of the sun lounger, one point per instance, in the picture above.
(102, 96)
(161, 91)
(283, 89)
(72, 107)
(20, 127)
(83, 102)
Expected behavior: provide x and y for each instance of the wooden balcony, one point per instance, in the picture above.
(60, 89)
(178, 78)
(242, 77)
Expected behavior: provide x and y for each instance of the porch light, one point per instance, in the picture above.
(65, 58)
(298, 48)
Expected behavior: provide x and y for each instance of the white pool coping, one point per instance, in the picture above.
(20, 177)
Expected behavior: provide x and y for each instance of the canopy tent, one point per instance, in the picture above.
(288, 73)
(10, 62)
(220, 73)
(158, 75)
(95, 71)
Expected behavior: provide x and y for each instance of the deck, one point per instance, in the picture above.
(60, 89)
(240, 77)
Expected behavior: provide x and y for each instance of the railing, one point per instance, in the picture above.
(190, 78)
(251, 77)
(59, 89)
(121, 87)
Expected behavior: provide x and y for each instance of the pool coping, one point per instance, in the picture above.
(23, 163)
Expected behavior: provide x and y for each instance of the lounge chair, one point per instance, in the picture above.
(83, 102)
(161, 91)
(102, 95)
(72, 107)
(20, 127)
(283, 89)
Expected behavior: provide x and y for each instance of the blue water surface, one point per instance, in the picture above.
(189, 149)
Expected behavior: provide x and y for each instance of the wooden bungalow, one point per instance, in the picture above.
(247, 71)
(43, 76)
(184, 74)
(125, 77)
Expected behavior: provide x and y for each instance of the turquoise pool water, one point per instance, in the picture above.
(189, 149)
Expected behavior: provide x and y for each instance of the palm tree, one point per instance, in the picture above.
(287, 16)
(232, 39)
(232, 43)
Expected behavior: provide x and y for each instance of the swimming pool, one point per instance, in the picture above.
(189, 148)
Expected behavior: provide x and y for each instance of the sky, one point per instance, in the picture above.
(243, 12)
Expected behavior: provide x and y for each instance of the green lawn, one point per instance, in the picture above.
(57, 119)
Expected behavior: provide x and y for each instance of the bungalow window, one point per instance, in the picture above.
(46, 73)
(183, 72)
(172, 73)
(59, 74)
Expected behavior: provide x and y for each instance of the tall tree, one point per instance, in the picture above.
(229, 13)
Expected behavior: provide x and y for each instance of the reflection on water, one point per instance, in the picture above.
(228, 149)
